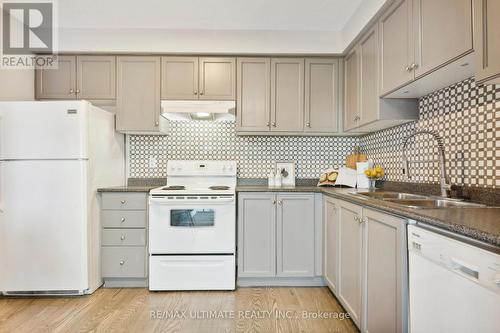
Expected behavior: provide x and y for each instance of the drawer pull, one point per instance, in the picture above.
(122, 202)
(123, 219)
(122, 263)
(122, 237)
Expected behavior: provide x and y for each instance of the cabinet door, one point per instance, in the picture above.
(487, 40)
(287, 94)
(384, 272)
(96, 77)
(138, 94)
(254, 94)
(179, 78)
(331, 249)
(350, 259)
(396, 46)
(351, 90)
(321, 103)
(439, 39)
(256, 235)
(295, 225)
(369, 78)
(57, 83)
(217, 78)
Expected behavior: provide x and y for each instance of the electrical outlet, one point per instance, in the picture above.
(152, 163)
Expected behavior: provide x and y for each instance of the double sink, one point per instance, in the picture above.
(417, 201)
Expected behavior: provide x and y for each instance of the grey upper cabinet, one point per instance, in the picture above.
(138, 94)
(369, 83)
(295, 225)
(254, 94)
(416, 40)
(287, 94)
(96, 77)
(256, 235)
(179, 78)
(350, 260)
(57, 83)
(78, 77)
(331, 243)
(385, 277)
(439, 38)
(191, 78)
(321, 95)
(217, 78)
(351, 91)
(396, 46)
(487, 40)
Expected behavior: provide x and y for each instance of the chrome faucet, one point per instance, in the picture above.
(443, 180)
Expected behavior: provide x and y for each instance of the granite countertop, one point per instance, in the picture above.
(126, 188)
(482, 224)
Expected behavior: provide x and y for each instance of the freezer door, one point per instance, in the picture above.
(43, 226)
(43, 130)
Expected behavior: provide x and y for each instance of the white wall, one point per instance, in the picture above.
(17, 84)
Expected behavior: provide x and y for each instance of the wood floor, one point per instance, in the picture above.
(138, 310)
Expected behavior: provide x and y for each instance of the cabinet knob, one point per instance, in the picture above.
(77, 91)
(308, 124)
(414, 66)
(122, 237)
(122, 220)
(201, 92)
(408, 68)
(122, 263)
(123, 202)
(280, 202)
(274, 202)
(71, 91)
(195, 92)
(157, 123)
(268, 124)
(274, 124)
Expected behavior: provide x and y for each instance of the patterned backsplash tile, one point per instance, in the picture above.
(218, 141)
(466, 116)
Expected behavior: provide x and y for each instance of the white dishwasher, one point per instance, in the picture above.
(454, 286)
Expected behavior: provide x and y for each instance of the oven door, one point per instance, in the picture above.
(194, 225)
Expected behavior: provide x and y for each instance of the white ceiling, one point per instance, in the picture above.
(236, 26)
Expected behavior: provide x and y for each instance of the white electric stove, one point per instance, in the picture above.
(192, 227)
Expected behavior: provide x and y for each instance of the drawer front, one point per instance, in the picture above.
(124, 237)
(124, 200)
(124, 219)
(126, 262)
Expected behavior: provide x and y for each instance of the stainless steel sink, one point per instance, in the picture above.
(434, 203)
(417, 201)
(381, 195)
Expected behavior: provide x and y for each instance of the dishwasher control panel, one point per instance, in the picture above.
(473, 263)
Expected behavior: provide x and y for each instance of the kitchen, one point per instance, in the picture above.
(266, 166)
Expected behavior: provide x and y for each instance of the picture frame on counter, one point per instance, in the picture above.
(287, 171)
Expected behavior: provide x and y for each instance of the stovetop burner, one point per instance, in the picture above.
(174, 188)
(219, 188)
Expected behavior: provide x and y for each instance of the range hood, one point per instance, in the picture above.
(198, 110)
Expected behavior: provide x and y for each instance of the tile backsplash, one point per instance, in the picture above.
(218, 141)
(466, 116)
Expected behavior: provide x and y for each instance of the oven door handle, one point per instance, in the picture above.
(189, 202)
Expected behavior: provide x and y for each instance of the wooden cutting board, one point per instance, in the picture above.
(355, 157)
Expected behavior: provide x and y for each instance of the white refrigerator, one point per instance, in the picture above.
(53, 157)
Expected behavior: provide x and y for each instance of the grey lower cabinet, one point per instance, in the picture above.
(365, 264)
(277, 237)
(124, 239)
